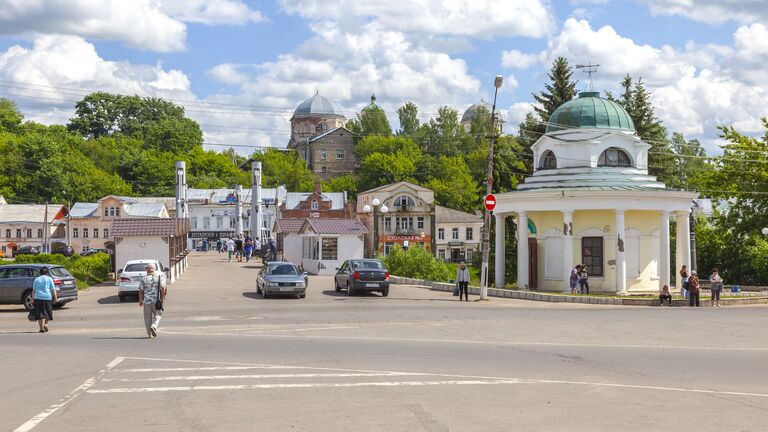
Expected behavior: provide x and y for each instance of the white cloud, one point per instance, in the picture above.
(712, 11)
(146, 24)
(516, 59)
(471, 18)
(228, 73)
(515, 115)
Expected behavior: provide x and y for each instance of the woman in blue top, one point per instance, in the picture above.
(44, 295)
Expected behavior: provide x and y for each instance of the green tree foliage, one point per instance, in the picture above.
(342, 183)
(408, 115)
(385, 160)
(418, 263)
(285, 168)
(213, 170)
(150, 173)
(442, 134)
(10, 116)
(453, 184)
(691, 168)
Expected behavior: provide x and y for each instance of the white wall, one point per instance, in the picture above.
(292, 245)
(349, 247)
(135, 248)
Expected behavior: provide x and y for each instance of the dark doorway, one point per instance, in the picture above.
(533, 267)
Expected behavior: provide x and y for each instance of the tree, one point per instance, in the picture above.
(10, 116)
(285, 168)
(560, 90)
(408, 115)
(453, 184)
(442, 134)
(386, 160)
(342, 183)
(175, 135)
(690, 164)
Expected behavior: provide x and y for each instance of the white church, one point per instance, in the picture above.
(591, 201)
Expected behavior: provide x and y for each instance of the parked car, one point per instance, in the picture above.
(95, 251)
(130, 275)
(362, 275)
(16, 284)
(67, 251)
(278, 277)
(27, 250)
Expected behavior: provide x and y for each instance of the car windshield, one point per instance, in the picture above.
(140, 267)
(284, 270)
(59, 272)
(367, 265)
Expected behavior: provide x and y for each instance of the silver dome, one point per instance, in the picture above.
(318, 105)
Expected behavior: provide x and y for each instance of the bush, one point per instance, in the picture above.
(88, 270)
(416, 262)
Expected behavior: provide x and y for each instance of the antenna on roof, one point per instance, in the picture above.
(589, 69)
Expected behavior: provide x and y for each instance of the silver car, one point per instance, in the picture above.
(284, 278)
(131, 274)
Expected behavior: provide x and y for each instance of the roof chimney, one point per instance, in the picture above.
(318, 186)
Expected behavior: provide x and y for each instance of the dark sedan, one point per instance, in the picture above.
(362, 275)
(16, 283)
(283, 278)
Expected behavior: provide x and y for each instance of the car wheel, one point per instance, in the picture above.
(350, 290)
(58, 305)
(27, 300)
(385, 293)
(336, 285)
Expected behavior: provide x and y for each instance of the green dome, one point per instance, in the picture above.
(589, 110)
(372, 106)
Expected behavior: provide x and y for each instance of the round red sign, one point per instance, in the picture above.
(490, 202)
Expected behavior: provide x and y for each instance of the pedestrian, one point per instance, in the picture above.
(218, 245)
(43, 295)
(684, 282)
(716, 287)
(205, 245)
(257, 247)
(230, 248)
(694, 289)
(574, 281)
(272, 248)
(151, 286)
(239, 248)
(665, 295)
(248, 249)
(462, 278)
(583, 279)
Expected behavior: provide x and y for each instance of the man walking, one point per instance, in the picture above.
(218, 245)
(152, 287)
(239, 248)
(230, 245)
(462, 277)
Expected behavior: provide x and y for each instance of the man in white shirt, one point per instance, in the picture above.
(462, 278)
(230, 248)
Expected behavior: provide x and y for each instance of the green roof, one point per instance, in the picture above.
(589, 110)
(372, 106)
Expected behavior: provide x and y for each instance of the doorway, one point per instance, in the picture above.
(533, 254)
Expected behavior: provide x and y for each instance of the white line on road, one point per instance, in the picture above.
(34, 421)
(211, 368)
(264, 376)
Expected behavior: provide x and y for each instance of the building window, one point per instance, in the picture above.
(117, 211)
(18, 233)
(441, 234)
(324, 170)
(232, 222)
(441, 254)
(194, 222)
(314, 205)
(29, 233)
(388, 246)
(106, 232)
(310, 249)
(39, 233)
(323, 154)
(219, 222)
(454, 233)
(468, 256)
(387, 224)
(112, 211)
(75, 232)
(7, 233)
(592, 255)
(404, 201)
(95, 233)
(320, 128)
(106, 211)
(340, 154)
(470, 234)
(85, 232)
(614, 157)
(420, 222)
(548, 160)
(206, 222)
(330, 248)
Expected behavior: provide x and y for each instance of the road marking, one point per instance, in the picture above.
(82, 388)
(211, 368)
(264, 376)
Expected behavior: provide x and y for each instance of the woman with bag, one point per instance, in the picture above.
(716, 287)
(684, 281)
(44, 295)
(152, 291)
(462, 278)
(694, 289)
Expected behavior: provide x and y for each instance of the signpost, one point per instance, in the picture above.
(490, 202)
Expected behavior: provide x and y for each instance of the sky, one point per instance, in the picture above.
(240, 67)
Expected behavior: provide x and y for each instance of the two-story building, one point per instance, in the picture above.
(458, 234)
(397, 214)
(26, 224)
(316, 204)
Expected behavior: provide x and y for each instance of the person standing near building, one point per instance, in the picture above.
(694, 289)
(152, 287)
(684, 281)
(239, 248)
(248, 249)
(230, 245)
(462, 278)
(574, 280)
(272, 248)
(583, 279)
(716, 287)
(257, 247)
(218, 245)
(44, 295)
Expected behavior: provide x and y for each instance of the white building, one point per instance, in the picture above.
(26, 224)
(590, 200)
(163, 239)
(458, 234)
(320, 245)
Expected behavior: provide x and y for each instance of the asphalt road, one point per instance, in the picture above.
(418, 360)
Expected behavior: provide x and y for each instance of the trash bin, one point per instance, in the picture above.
(735, 288)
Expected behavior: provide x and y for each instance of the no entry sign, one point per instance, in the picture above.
(490, 202)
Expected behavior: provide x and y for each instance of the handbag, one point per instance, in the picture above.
(159, 301)
(456, 290)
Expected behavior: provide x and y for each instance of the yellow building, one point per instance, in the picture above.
(590, 200)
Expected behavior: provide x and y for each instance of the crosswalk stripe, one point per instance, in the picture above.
(261, 376)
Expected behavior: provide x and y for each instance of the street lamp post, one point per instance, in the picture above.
(376, 207)
(69, 219)
(488, 190)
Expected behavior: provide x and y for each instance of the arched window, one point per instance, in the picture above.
(404, 201)
(614, 157)
(548, 160)
(320, 127)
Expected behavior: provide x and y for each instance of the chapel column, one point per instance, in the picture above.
(664, 258)
(683, 252)
(522, 250)
(501, 248)
(621, 261)
(567, 249)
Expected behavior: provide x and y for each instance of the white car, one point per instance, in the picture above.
(130, 275)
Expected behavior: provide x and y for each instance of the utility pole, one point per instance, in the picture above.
(488, 190)
(239, 210)
(44, 240)
(257, 217)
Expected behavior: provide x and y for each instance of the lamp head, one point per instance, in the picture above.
(375, 201)
(497, 82)
(367, 208)
(384, 209)
(764, 231)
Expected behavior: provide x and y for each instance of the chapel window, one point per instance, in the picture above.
(548, 161)
(614, 157)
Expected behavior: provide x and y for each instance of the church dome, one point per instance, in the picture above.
(372, 107)
(318, 106)
(589, 110)
(471, 112)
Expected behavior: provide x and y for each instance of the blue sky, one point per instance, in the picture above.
(256, 60)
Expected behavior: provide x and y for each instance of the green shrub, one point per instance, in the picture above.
(416, 262)
(88, 270)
